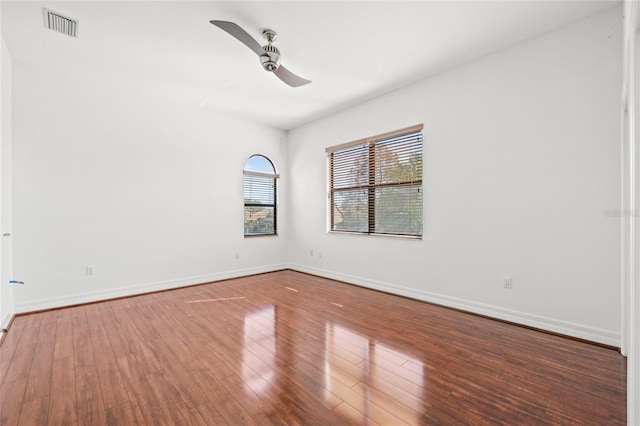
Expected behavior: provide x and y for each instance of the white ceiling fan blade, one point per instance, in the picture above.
(290, 78)
(240, 34)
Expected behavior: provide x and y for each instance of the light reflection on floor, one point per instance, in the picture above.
(363, 378)
(259, 350)
(366, 375)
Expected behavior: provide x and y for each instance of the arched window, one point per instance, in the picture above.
(260, 196)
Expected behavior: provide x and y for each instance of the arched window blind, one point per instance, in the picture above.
(376, 184)
(260, 191)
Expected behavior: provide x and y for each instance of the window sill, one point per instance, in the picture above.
(393, 236)
(260, 235)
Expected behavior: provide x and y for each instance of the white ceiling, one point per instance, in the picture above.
(352, 51)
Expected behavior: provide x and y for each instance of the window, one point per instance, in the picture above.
(375, 184)
(259, 196)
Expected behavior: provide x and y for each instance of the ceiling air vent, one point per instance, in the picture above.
(56, 22)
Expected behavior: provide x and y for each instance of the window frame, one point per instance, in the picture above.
(369, 145)
(274, 206)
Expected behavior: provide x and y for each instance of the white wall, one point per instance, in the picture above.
(521, 160)
(147, 192)
(6, 292)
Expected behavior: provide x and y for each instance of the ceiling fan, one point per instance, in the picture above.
(269, 54)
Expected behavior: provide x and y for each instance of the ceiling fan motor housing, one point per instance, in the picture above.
(271, 58)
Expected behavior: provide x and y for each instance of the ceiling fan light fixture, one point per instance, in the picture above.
(271, 59)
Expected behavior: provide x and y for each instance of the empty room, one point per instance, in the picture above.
(319, 212)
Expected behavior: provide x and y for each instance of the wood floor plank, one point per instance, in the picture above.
(20, 366)
(367, 406)
(176, 374)
(83, 357)
(100, 344)
(35, 412)
(11, 400)
(354, 416)
(112, 386)
(208, 414)
(123, 414)
(116, 331)
(225, 402)
(39, 383)
(62, 403)
(64, 338)
(251, 402)
(113, 390)
(147, 409)
(9, 344)
(89, 400)
(168, 398)
(287, 348)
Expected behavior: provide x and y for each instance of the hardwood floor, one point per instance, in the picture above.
(288, 348)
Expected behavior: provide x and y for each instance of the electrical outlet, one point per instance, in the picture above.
(311, 252)
(507, 282)
(237, 255)
(89, 270)
(320, 255)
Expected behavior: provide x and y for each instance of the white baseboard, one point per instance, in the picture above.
(79, 298)
(580, 331)
(6, 320)
(4, 323)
